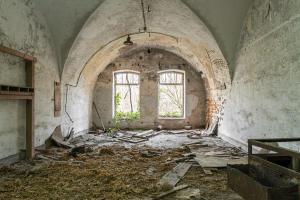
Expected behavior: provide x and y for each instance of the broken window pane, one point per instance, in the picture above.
(171, 94)
(127, 97)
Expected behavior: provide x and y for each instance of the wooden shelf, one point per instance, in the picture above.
(8, 92)
(15, 97)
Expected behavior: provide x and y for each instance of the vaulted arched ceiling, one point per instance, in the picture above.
(66, 18)
(166, 24)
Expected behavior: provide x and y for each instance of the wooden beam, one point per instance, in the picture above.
(30, 111)
(17, 53)
(29, 73)
(15, 97)
(278, 140)
(29, 129)
(279, 150)
(57, 99)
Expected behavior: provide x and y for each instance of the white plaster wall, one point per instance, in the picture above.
(71, 15)
(24, 29)
(265, 95)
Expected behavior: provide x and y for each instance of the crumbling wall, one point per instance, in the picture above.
(265, 95)
(23, 29)
(149, 64)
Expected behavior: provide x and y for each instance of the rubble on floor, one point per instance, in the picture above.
(163, 165)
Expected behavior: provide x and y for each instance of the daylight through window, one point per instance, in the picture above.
(171, 94)
(126, 95)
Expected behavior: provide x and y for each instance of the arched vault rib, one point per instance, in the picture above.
(89, 57)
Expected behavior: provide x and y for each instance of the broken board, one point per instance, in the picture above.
(132, 139)
(148, 134)
(59, 139)
(239, 161)
(211, 161)
(173, 177)
(175, 189)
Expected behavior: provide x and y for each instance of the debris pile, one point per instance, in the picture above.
(103, 166)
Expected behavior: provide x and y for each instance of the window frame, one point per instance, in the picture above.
(184, 93)
(115, 84)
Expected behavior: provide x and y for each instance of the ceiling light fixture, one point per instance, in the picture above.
(128, 41)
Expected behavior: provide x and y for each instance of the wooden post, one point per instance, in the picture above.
(30, 112)
(249, 147)
(295, 164)
(29, 129)
(57, 99)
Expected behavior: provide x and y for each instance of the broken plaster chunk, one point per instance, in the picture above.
(126, 158)
(188, 194)
(150, 171)
(149, 154)
(106, 151)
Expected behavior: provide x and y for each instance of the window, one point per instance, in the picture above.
(171, 94)
(126, 95)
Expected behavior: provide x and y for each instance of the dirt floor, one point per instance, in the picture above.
(108, 173)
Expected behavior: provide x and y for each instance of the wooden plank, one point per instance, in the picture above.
(263, 185)
(16, 93)
(30, 110)
(211, 161)
(148, 134)
(278, 170)
(132, 139)
(29, 73)
(239, 161)
(144, 133)
(16, 53)
(57, 99)
(175, 189)
(278, 140)
(29, 129)
(59, 139)
(15, 97)
(174, 176)
(15, 90)
(279, 150)
(211, 129)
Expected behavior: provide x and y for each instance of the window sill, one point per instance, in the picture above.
(171, 118)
